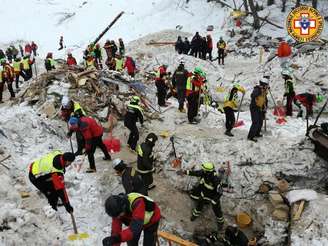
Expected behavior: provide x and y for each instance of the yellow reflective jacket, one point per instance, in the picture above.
(230, 100)
(44, 165)
(148, 214)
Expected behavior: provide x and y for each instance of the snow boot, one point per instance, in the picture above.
(107, 158)
(252, 139)
(152, 186)
(228, 133)
(91, 170)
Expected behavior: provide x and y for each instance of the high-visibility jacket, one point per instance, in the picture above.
(221, 45)
(145, 162)
(26, 63)
(78, 107)
(149, 210)
(1, 74)
(45, 166)
(194, 84)
(231, 99)
(17, 66)
(90, 63)
(119, 64)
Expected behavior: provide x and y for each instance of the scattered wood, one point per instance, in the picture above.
(175, 239)
(299, 211)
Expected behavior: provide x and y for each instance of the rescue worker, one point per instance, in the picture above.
(71, 61)
(161, 86)
(92, 133)
(111, 63)
(49, 62)
(145, 162)
(27, 66)
(130, 66)
(98, 56)
(119, 63)
(209, 43)
(230, 106)
(179, 81)
(9, 54)
(257, 108)
(18, 69)
(289, 91)
(221, 45)
(121, 47)
(234, 237)
(108, 47)
(47, 174)
(139, 213)
(14, 51)
(71, 108)
(208, 189)
(90, 62)
(113, 48)
(131, 180)
(307, 100)
(133, 114)
(61, 43)
(179, 46)
(6, 76)
(193, 90)
(34, 48)
(28, 49)
(186, 46)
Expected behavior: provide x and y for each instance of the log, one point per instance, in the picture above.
(172, 238)
(299, 211)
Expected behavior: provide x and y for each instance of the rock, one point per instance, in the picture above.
(280, 214)
(275, 199)
(48, 109)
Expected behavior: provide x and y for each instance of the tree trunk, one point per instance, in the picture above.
(245, 5)
(315, 3)
(298, 3)
(270, 2)
(283, 9)
(256, 23)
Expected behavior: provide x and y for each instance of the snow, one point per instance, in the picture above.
(279, 151)
(296, 195)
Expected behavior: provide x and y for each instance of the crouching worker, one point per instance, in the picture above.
(209, 189)
(139, 213)
(47, 174)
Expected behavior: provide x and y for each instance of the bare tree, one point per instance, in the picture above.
(270, 2)
(245, 5)
(283, 9)
(256, 23)
(315, 3)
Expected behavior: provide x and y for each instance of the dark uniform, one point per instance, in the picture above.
(208, 189)
(290, 94)
(132, 182)
(145, 163)
(234, 237)
(258, 109)
(221, 45)
(179, 81)
(134, 112)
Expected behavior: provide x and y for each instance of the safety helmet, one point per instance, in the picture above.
(286, 72)
(135, 99)
(118, 164)
(198, 70)
(66, 102)
(151, 137)
(264, 81)
(73, 121)
(319, 98)
(182, 61)
(208, 166)
(116, 204)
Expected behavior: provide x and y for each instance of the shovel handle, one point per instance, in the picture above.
(241, 102)
(74, 223)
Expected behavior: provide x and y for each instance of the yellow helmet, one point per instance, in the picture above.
(208, 166)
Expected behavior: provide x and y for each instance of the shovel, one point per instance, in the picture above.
(240, 122)
(176, 163)
(76, 235)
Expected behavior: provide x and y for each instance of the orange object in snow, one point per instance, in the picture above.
(284, 50)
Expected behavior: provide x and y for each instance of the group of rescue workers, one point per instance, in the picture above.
(135, 208)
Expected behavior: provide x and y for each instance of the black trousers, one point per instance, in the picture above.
(28, 74)
(221, 56)
(289, 104)
(192, 106)
(80, 142)
(181, 93)
(230, 118)
(150, 236)
(44, 184)
(161, 94)
(21, 73)
(10, 89)
(96, 142)
(134, 135)
(257, 121)
(147, 179)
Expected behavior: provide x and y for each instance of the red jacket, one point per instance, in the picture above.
(71, 61)
(209, 43)
(131, 219)
(129, 65)
(90, 129)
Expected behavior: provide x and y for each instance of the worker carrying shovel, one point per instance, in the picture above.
(230, 106)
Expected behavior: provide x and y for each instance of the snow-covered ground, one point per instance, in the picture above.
(283, 149)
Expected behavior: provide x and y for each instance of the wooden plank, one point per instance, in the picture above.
(172, 238)
(299, 211)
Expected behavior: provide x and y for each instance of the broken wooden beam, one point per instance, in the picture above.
(175, 239)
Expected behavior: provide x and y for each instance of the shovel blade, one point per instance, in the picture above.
(78, 236)
(239, 123)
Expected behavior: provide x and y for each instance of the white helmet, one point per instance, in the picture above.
(116, 162)
(65, 101)
(264, 81)
(286, 72)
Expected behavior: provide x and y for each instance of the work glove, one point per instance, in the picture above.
(68, 208)
(181, 172)
(109, 241)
